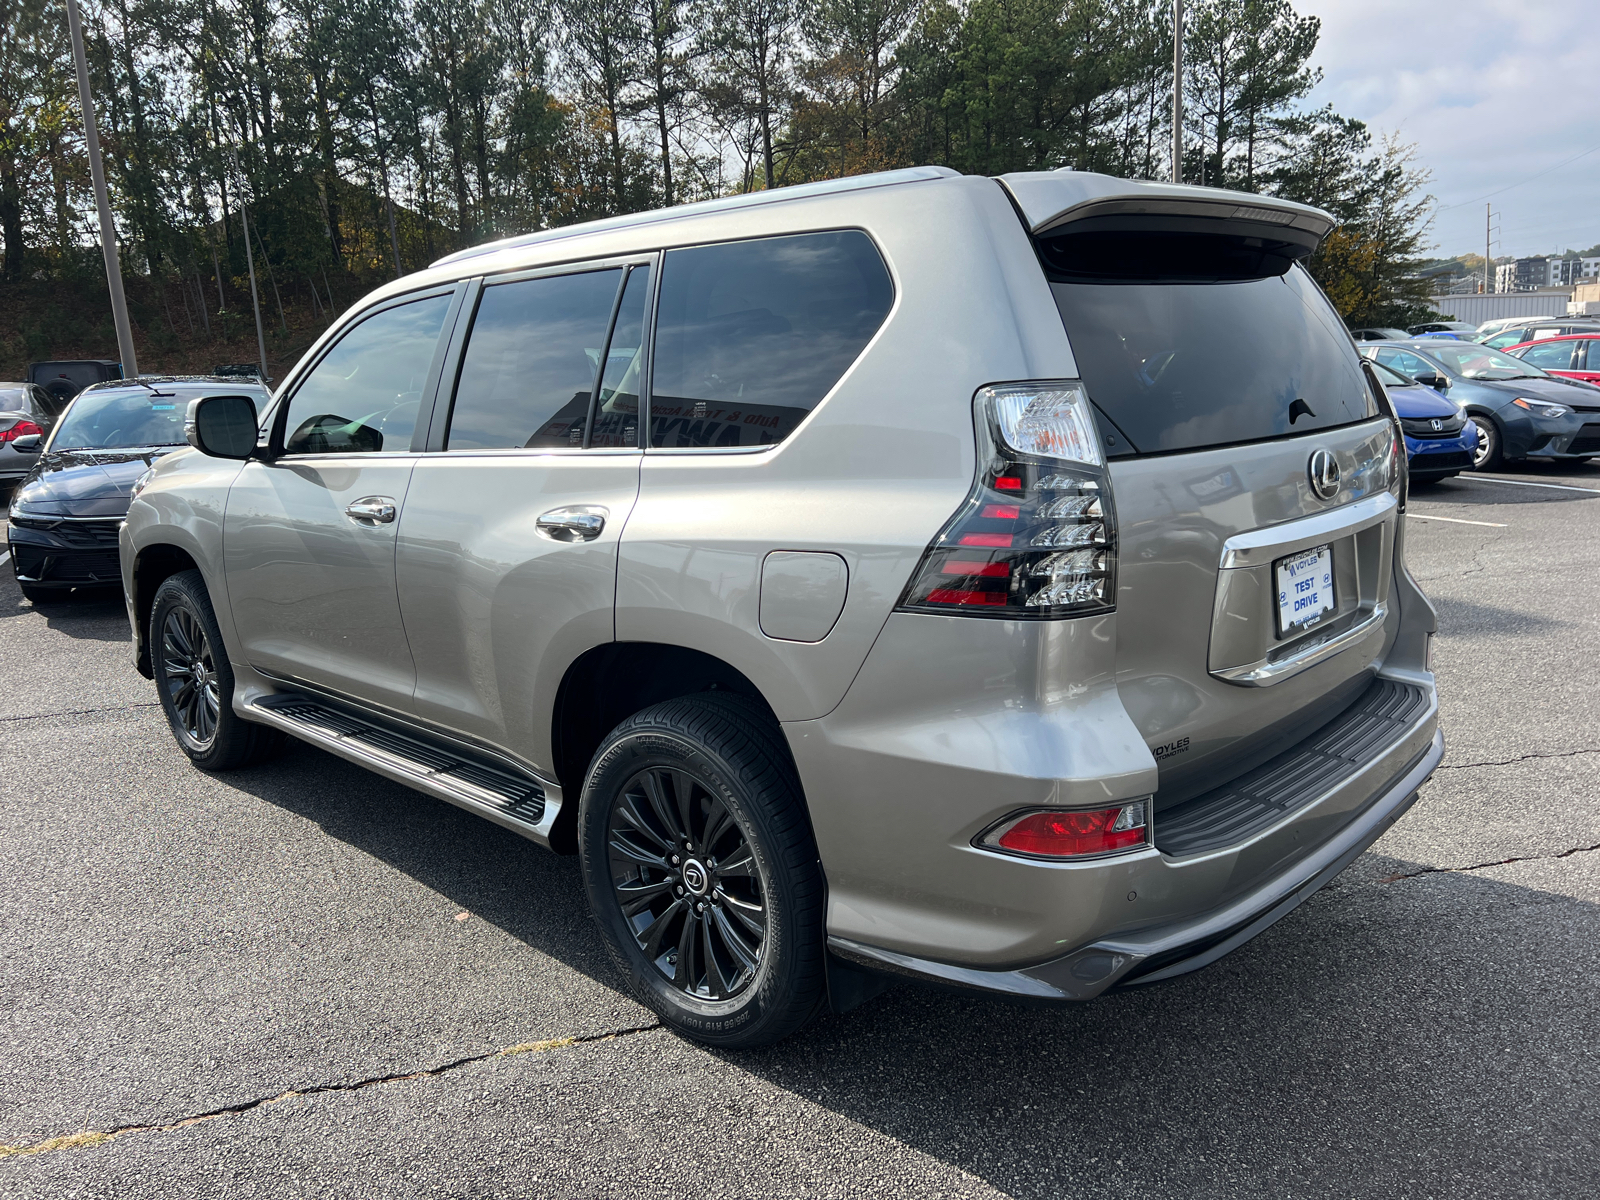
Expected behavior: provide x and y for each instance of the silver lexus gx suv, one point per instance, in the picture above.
(998, 583)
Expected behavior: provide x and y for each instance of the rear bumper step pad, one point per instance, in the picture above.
(1259, 799)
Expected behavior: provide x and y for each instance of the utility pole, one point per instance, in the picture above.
(250, 262)
(1488, 267)
(1177, 91)
(97, 172)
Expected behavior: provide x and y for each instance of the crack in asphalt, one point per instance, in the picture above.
(98, 1137)
(1509, 762)
(83, 712)
(1499, 862)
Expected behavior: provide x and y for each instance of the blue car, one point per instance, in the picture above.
(1520, 411)
(1440, 440)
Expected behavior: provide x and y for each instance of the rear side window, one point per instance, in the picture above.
(750, 336)
(1181, 365)
(1552, 356)
(531, 360)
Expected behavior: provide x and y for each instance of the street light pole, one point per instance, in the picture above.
(1177, 91)
(108, 232)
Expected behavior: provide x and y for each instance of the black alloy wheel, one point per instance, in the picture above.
(702, 872)
(194, 679)
(189, 678)
(687, 882)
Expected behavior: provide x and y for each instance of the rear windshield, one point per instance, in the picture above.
(1181, 366)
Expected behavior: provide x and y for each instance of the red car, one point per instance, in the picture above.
(1574, 356)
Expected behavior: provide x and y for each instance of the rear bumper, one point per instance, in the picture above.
(1177, 947)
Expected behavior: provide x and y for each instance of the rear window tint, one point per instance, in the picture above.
(530, 362)
(750, 336)
(1181, 366)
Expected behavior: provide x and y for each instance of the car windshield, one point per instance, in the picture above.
(121, 419)
(1472, 361)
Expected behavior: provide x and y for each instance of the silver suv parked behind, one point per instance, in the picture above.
(993, 582)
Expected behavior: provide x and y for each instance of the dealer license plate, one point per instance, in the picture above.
(1305, 588)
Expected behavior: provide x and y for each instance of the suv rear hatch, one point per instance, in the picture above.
(1252, 609)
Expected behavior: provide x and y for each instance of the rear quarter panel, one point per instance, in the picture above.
(878, 466)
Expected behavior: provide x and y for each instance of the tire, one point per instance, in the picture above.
(725, 944)
(1487, 457)
(195, 681)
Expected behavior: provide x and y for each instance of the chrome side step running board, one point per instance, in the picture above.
(516, 799)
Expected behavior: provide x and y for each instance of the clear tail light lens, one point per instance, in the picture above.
(1073, 833)
(1036, 537)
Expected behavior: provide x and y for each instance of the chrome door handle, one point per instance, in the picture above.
(371, 510)
(575, 523)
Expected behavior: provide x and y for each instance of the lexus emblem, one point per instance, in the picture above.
(1437, 424)
(1324, 473)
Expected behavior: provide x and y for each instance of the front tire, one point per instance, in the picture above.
(702, 872)
(195, 681)
(1487, 456)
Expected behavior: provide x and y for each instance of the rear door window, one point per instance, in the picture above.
(1551, 356)
(750, 336)
(1186, 365)
(530, 363)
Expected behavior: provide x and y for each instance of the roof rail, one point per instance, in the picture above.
(799, 191)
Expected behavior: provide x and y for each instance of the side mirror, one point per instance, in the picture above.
(222, 426)
(28, 442)
(1434, 381)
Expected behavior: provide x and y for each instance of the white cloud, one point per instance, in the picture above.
(1492, 94)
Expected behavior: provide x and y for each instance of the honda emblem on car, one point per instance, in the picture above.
(1437, 424)
(1324, 472)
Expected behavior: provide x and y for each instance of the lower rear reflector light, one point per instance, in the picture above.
(1073, 833)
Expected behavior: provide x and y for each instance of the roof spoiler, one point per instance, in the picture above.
(1049, 201)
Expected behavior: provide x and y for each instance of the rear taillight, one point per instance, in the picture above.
(1036, 537)
(20, 429)
(1073, 833)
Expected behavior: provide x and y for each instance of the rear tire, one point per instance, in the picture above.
(195, 680)
(1487, 457)
(702, 872)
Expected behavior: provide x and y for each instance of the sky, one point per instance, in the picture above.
(1492, 94)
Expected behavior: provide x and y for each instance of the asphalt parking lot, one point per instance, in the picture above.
(302, 980)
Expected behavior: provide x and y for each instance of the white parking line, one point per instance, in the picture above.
(1560, 487)
(5, 558)
(1458, 521)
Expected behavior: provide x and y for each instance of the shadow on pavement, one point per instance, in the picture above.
(1480, 490)
(95, 614)
(1394, 1033)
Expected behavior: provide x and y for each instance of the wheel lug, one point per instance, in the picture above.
(680, 891)
(676, 860)
(700, 907)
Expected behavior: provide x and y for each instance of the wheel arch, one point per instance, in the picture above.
(609, 683)
(153, 566)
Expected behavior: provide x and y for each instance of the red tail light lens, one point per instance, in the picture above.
(1036, 537)
(1074, 833)
(20, 429)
